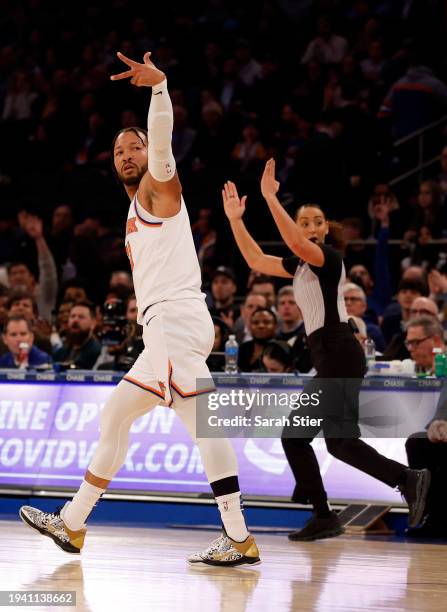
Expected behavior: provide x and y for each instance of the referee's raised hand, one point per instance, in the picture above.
(269, 185)
(144, 74)
(233, 205)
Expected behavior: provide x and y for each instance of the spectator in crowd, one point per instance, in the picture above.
(429, 450)
(4, 297)
(80, 349)
(263, 324)
(415, 100)
(291, 329)
(223, 290)
(420, 307)
(277, 357)
(74, 290)
(241, 328)
(120, 278)
(326, 47)
(205, 238)
(60, 236)
(45, 291)
(290, 318)
(19, 340)
(437, 282)
(393, 317)
(442, 178)
(383, 200)
(249, 67)
(423, 335)
(250, 152)
(265, 285)
(24, 304)
(60, 329)
(131, 308)
(379, 290)
(373, 64)
(429, 212)
(355, 301)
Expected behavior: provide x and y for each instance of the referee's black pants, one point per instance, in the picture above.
(340, 363)
(422, 453)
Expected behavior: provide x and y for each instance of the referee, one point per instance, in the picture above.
(318, 277)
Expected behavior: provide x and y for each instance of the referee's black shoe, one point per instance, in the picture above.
(415, 491)
(318, 528)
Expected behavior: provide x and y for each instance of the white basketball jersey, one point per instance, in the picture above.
(162, 257)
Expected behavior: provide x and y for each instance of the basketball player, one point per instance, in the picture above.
(178, 334)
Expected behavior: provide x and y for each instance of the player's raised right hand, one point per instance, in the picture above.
(233, 205)
(141, 75)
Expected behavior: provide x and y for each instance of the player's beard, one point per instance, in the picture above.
(134, 178)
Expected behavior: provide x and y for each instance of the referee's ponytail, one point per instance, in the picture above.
(335, 236)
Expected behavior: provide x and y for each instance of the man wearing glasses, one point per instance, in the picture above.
(420, 307)
(423, 335)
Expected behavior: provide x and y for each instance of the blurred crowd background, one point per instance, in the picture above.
(349, 96)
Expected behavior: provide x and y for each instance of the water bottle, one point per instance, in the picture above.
(370, 353)
(231, 355)
(22, 356)
(439, 363)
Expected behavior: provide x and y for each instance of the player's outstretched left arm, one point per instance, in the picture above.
(160, 189)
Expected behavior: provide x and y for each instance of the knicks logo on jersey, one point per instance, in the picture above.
(131, 225)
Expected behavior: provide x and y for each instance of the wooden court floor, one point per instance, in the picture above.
(138, 569)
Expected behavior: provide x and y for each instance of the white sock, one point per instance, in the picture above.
(75, 513)
(232, 517)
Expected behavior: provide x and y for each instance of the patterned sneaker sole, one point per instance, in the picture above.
(65, 546)
(422, 497)
(328, 533)
(243, 561)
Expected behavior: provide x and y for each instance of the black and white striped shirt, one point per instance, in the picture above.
(318, 291)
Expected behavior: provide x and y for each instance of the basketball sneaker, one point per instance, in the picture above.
(318, 528)
(51, 524)
(225, 552)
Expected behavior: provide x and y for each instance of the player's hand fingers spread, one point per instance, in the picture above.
(121, 75)
(127, 60)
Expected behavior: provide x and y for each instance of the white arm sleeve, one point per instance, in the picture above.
(160, 122)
